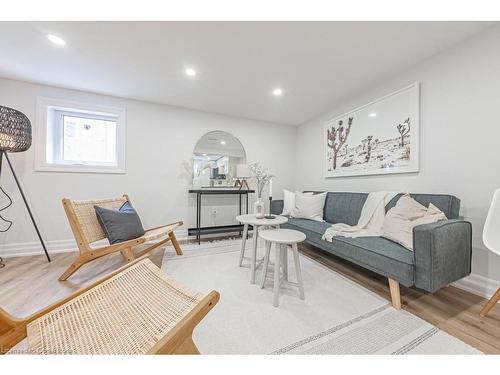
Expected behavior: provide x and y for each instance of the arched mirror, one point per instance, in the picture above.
(215, 158)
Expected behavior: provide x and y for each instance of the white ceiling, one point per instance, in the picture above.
(238, 63)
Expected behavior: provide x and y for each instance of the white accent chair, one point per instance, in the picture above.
(491, 239)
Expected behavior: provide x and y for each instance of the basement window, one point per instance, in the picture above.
(75, 137)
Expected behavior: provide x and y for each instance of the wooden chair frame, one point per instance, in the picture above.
(490, 303)
(178, 341)
(84, 240)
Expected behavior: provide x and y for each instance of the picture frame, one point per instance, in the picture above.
(380, 137)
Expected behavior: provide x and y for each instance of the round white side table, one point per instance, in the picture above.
(250, 219)
(282, 239)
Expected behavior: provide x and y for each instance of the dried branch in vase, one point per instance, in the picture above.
(261, 175)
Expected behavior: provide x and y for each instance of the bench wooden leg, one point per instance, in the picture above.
(395, 295)
(177, 247)
(187, 347)
(490, 304)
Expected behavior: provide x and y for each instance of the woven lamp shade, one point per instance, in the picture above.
(15, 130)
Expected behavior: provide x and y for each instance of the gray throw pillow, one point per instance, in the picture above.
(119, 225)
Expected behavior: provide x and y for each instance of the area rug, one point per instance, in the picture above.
(338, 316)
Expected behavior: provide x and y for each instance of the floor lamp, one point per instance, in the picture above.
(15, 136)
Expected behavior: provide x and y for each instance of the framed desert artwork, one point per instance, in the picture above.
(378, 138)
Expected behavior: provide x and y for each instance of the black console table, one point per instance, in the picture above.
(199, 230)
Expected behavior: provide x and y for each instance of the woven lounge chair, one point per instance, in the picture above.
(135, 310)
(87, 230)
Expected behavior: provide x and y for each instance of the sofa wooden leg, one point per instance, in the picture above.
(490, 304)
(395, 295)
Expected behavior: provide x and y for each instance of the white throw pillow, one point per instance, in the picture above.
(404, 216)
(289, 201)
(309, 206)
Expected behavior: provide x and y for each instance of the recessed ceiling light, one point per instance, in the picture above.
(223, 142)
(56, 40)
(277, 92)
(373, 114)
(190, 72)
(204, 154)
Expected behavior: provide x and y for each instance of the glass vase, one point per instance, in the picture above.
(259, 208)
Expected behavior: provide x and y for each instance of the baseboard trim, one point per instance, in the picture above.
(53, 247)
(35, 248)
(479, 285)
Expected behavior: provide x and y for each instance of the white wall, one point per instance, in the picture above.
(460, 133)
(159, 138)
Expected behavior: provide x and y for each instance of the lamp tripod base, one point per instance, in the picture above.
(3, 153)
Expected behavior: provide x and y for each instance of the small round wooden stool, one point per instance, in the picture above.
(282, 239)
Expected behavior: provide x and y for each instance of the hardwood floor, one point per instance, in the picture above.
(30, 283)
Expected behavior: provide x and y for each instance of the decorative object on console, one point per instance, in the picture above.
(404, 216)
(491, 239)
(206, 165)
(378, 138)
(262, 177)
(309, 206)
(15, 136)
(242, 174)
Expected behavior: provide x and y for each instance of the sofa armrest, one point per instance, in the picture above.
(443, 252)
(277, 206)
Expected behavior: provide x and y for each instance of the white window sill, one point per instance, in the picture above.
(79, 169)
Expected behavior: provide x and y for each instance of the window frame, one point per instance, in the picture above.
(48, 128)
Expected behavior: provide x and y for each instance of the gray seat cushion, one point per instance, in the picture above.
(311, 225)
(375, 253)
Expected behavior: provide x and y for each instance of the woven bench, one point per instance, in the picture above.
(135, 310)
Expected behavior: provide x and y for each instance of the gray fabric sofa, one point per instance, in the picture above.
(442, 250)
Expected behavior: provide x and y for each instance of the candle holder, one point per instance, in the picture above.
(270, 216)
